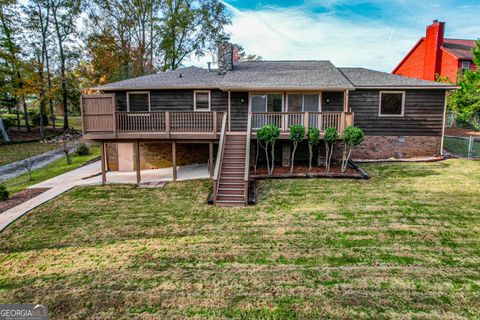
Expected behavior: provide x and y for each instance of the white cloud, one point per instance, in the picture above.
(296, 33)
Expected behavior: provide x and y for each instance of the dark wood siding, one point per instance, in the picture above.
(423, 114)
(175, 100)
(335, 101)
(239, 111)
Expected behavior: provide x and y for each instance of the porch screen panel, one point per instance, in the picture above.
(310, 102)
(274, 103)
(259, 103)
(294, 102)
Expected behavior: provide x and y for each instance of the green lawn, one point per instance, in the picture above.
(404, 244)
(73, 121)
(49, 171)
(15, 152)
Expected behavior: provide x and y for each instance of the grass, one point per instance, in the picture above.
(51, 170)
(73, 121)
(16, 152)
(404, 244)
(460, 147)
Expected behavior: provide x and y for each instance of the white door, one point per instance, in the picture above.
(125, 157)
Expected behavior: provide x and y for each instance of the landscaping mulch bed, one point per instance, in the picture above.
(20, 197)
(301, 171)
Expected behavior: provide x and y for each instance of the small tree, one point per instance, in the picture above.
(331, 138)
(352, 137)
(313, 139)
(28, 165)
(297, 133)
(268, 135)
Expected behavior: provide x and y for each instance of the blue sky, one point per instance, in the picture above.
(372, 34)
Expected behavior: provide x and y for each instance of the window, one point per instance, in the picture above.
(392, 103)
(303, 102)
(266, 102)
(201, 101)
(465, 65)
(138, 101)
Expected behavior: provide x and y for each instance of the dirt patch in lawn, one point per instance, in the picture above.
(20, 197)
(460, 132)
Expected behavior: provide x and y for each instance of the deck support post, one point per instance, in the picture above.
(210, 151)
(102, 160)
(174, 160)
(137, 160)
(229, 107)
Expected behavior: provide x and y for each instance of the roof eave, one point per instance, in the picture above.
(283, 88)
(452, 87)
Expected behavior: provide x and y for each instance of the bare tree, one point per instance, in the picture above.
(28, 165)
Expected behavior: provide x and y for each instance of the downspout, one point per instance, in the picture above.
(444, 122)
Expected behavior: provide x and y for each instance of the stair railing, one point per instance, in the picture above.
(246, 175)
(219, 159)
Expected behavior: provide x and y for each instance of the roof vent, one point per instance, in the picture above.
(180, 75)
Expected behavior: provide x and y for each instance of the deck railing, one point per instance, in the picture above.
(320, 120)
(169, 122)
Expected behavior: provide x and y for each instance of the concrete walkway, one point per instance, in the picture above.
(89, 175)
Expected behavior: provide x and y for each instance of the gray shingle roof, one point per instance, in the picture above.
(362, 78)
(190, 77)
(272, 75)
(285, 75)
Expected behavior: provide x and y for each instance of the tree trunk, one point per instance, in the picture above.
(268, 161)
(256, 156)
(327, 150)
(310, 156)
(62, 71)
(49, 83)
(273, 158)
(3, 131)
(25, 114)
(18, 114)
(293, 156)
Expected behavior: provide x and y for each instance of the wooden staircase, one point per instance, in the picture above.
(232, 187)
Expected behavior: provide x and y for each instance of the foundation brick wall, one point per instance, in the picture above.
(112, 156)
(398, 147)
(159, 155)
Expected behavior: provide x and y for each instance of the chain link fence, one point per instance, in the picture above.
(463, 147)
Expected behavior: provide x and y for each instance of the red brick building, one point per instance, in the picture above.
(435, 55)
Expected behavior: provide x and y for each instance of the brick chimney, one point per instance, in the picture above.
(225, 56)
(433, 42)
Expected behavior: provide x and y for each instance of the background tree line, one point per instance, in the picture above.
(51, 49)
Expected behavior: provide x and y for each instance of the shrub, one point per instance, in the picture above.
(82, 150)
(9, 122)
(331, 137)
(352, 136)
(297, 133)
(3, 192)
(313, 139)
(268, 135)
(36, 119)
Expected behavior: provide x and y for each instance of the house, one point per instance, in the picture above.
(434, 55)
(195, 115)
